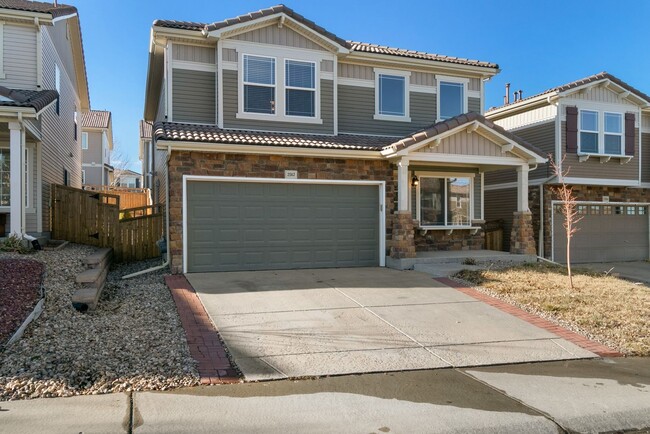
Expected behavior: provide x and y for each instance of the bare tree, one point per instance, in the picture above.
(120, 161)
(564, 194)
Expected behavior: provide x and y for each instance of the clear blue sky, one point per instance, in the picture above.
(537, 44)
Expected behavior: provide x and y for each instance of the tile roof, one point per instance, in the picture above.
(96, 119)
(351, 45)
(38, 7)
(145, 130)
(212, 134)
(37, 100)
(574, 84)
(457, 121)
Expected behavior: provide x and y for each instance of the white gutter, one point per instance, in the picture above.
(63, 17)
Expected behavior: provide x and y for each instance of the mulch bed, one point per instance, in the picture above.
(20, 283)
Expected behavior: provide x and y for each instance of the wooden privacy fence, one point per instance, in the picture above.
(129, 197)
(494, 235)
(95, 218)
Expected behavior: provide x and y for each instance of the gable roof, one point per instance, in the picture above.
(38, 7)
(576, 84)
(212, 134)
(459, 121)
(350, 45)
(36, 100)
(96, 119)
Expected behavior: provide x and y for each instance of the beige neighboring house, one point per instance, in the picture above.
(127, 178)
(96, 148)
(597, 128)
(43, 92)
(286, 146)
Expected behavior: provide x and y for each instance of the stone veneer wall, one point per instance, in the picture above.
(459, 239)
(522, 237)
(266, 166)
(583, 193)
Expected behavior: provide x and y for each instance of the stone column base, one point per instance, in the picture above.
(403, 243)
(522, 236)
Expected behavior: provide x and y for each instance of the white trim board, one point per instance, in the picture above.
(381, 192)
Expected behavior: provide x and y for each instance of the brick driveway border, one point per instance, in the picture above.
(579, 340)
(206, 347)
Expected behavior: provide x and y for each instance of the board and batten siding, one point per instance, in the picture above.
(229, 54)
(645, 155)
(193, 53)
(230, 103)
(59, 149)
(20, 57)
(275, 35)
(528, 118)
(465, 144)
(193, 96)
(357, 111)
(594, 169)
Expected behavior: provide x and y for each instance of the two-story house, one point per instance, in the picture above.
(286, 146)
(96, 148)
(597, 130)
(127, 178)
(43, 89)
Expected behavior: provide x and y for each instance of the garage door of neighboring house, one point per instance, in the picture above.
(607, 233)
(265, 226)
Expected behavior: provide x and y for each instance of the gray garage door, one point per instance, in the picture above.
(607, 233)
(265, 226)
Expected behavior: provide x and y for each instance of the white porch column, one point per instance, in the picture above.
(522, 188)
(16, 179)
(403, 185)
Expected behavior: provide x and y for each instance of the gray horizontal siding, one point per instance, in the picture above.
(357, 111)
(645, 153)
(230, 102)
(543, 137)
(19, 57)
(474, 105)
(193, 96)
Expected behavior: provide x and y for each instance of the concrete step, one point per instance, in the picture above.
(99, 258)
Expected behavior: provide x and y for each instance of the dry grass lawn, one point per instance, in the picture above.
(610, 310)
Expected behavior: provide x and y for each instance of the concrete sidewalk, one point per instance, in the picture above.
(608, 395)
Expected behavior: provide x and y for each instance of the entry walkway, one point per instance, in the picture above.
(302, 323)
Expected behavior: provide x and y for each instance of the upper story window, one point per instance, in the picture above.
(300, 88)
(452, 96)
(392, 95)
(259, 84)
(601, 132)
(84, 140)
(279, 89)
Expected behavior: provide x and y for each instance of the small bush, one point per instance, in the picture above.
(469, 261)
(13, 243)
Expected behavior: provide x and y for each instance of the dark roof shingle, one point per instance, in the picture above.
(37, 100)
(212, 134)
(38, 7)
(96, 119)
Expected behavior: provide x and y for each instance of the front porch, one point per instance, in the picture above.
(440, 188)
(441, 263)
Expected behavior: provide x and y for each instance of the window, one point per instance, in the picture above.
(66, 177)
(84, 140)
(444, 201)
(643, 210)
(595, 209)
(392, 91)
(4, 177)
(259, 84)
(57, 84)
(452, 96)
(582, 209)
(630, 210)
(83, 176)
(601, 132)
(75, 125)
(300, 88)
(607, 210)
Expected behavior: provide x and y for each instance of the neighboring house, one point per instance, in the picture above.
(96, 148)
(127, 178)
(597, 129)
(43, 89)
(154, 165)
(289, 147)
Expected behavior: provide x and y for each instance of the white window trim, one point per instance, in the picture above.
(84, 140)
(445, 175)
(449, 79)
(407, 78)
(601, 132)
(315, 90)
(6, 208)
(279, 115)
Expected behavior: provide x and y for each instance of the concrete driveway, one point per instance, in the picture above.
(301, 323)
(636, 271)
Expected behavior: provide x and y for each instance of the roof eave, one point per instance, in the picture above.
(484, 71)
(80, 63)
(528, 104)
(155, 73)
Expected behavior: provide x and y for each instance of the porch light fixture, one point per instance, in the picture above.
(415, 181)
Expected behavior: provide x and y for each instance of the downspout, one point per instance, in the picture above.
(167, 261)
(540, 247)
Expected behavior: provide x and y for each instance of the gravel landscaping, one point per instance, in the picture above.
(132, 341)
(612, 311)
(20, 290)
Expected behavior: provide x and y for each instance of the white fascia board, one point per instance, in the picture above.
(63, 17)
(266, 150)
(166, 32)
(8, 14)
(404, 62)
(522, 106)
